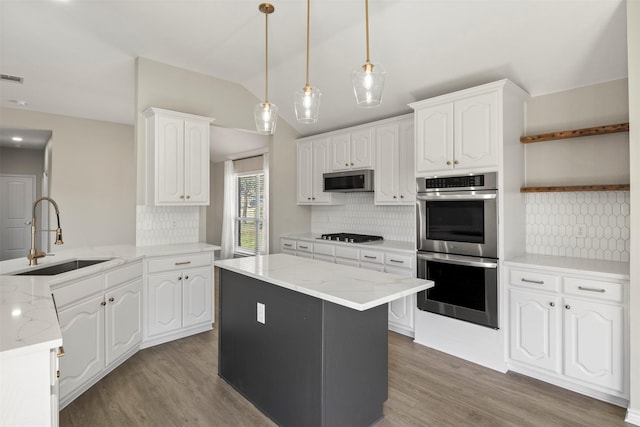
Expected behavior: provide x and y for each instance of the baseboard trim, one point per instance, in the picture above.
(172, 336)
(633, 417)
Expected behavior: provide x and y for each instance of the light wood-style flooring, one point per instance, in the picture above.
(176, 384)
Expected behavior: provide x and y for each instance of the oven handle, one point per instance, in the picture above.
(458, 260)
(458, 195)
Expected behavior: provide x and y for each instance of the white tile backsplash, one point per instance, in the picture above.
(592, 225)
(360, 215)
(167, 225)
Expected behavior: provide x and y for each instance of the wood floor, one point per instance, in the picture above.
(176, 384)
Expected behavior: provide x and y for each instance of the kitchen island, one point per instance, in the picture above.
(306, 341)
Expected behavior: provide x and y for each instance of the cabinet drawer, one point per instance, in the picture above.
(346, 252)
(123, 274)
(179, 262)
(608, 291)
(399, 261)
(286, 244)
(372, 256)
(326, 258)
(324, 249)
(347, 261)
(534, 280)
(75, 291)
(304, 247)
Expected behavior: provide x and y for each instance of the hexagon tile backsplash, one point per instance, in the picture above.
(592, 225)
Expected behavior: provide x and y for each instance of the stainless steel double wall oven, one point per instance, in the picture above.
(458, 246)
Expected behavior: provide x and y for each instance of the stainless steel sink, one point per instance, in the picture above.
(65, 267)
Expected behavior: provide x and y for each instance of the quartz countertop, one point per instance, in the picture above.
(28, 318)
(396, 245)
(356, 288)
(601, 268)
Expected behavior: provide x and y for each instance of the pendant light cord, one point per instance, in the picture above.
(307, 86)
(366, 11)
(266, 60)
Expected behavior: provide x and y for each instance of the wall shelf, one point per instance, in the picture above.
(598, 130)
(570, 188)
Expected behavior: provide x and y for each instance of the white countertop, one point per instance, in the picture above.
(601, 268)
(396, 245)
(28, 319)
(351, 287)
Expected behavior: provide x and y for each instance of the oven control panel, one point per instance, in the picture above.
(462, 182)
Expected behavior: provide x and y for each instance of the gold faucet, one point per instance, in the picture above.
(34, 254)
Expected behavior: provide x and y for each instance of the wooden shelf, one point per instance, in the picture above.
(569, 188)
(598, 130)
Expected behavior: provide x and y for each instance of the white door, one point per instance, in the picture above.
(196, 296)
(196, 158)
(18, 195)
(123, 319)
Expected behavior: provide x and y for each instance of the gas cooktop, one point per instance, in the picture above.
(350, 237)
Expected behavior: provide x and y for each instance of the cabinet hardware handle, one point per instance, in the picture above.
(537, 282)
(568, 307)
(58, 373)
(182, 196)
(351, 164)
(188, 197)
(180, 278)
(394, 197)
(103, 303)
(371, 257)
(582, 288)
(183, 263)
(552, 304)
(111, 299)
(303, 247)
(186, 278)
(60, 351)
(448, 162)
(455, 162)
(313, 198)
(401, 196)
(287, 245)
(308, 198)
(346, 164)
(397, 260)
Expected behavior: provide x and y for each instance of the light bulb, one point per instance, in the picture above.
(306, 100)
(266, 114)
(368, 80)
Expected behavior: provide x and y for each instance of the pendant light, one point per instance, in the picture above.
(307, 99)
(266, 113)
(368, 80)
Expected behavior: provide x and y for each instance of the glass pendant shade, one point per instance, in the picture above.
(368, 84)
(307, 103)
(266, 115)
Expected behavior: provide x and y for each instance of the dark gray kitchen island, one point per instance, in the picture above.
(306, 341)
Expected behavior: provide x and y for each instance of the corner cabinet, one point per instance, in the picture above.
(177, 158)
(312, 160)
(395, 182)
(462, 131)
(570, 329)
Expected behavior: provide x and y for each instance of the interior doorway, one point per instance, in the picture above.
(17, 193)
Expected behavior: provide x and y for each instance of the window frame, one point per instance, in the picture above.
(259, 220)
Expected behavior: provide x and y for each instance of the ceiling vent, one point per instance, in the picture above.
(10, 78)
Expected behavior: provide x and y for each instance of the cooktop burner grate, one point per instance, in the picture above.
(350, 237)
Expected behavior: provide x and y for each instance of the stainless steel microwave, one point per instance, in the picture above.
(348, 181)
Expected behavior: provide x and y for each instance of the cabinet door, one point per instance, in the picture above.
(402, 310)
(434, 138)
(387, 172)
(196, 162)
(362, 153)
(340, 152)
(321, 153)
(82, 327)
(535, 329)
(169, 160)
(594, 343)
(406, 172)
(123, 329)
(476, 131)
(304, 159)
(164, 308)
(197, 285)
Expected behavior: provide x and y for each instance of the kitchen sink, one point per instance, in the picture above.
(62, 268)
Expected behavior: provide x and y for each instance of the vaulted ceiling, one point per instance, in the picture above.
(77, 57)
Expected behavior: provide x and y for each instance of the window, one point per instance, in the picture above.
(250, 214)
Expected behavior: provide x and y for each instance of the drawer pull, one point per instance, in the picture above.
(60, 351)
(303, 247)
(397, 261)
(183, 263)
(582, 288)
(58, 373)
(537, 282)
(288, 245)
(370, 257)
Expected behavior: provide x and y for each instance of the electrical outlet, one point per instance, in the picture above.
(580, 231)
(261, 313)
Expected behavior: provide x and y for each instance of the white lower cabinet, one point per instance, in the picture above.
(100, 320)
(179, 297)
(575, 334)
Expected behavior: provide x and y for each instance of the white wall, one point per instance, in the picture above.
(93, 176)
(633, 49)
(164, 86)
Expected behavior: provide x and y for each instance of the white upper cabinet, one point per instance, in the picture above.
(463, 130)
(178, 158)
(352, 150)
(394, 169)
(313, 157)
